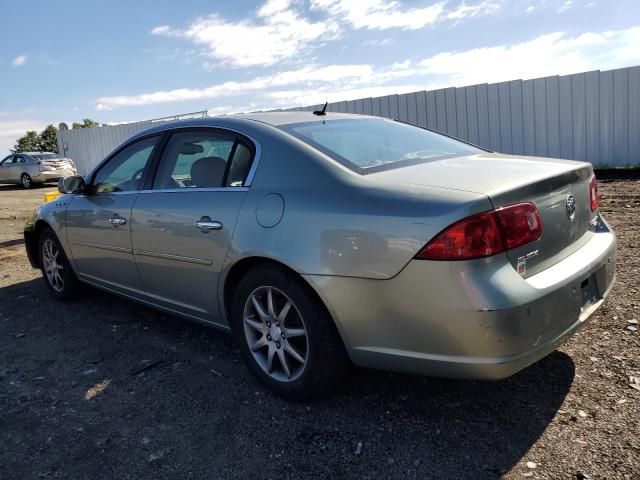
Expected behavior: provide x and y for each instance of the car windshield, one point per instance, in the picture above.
(45, 156)
(367, 145)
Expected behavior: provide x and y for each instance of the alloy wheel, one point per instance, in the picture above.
(53, 266)
(276, 334)
(26, 180)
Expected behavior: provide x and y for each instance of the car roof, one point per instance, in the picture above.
(38, 153)
(274, 119)
(286, 118)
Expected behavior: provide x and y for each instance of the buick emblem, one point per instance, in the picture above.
(570, 206)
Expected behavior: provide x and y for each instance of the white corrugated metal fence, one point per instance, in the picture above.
(591, 116)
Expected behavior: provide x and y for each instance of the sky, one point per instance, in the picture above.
(121, 61)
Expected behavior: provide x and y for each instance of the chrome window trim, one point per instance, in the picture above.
(250, 176)
(102, 194)
(171, 190)
(256, 160)
(196, 189)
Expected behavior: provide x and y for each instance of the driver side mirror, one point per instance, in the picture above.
(73, 184)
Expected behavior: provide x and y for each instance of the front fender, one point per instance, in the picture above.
(52, 215)
(31, 239)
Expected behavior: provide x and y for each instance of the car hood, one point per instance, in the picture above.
(487, 173)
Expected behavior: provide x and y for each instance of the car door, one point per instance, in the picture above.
(6, 170)
(19, 167)
(184, 224)
(99, 221)
(30, 165)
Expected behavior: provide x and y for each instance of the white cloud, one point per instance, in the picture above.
(382, 15)
(378, 42)
(280, 30)
(565, 6)
(554, 53)
(271, 7)
(162, 30)
(309, 74)
(19, 60)
(379, 14)
(465, 10)
(278, 33)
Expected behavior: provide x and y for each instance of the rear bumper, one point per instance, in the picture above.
(476, 319)
(52, 175)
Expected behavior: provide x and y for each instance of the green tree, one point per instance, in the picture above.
(29, 142)
(86, 123)
(48, 140)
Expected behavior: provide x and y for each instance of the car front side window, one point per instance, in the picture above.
(124, 171)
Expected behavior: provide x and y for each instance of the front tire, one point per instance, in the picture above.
(58, 276)
(286, 335)
(26, 181)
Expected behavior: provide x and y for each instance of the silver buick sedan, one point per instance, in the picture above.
(326, 240)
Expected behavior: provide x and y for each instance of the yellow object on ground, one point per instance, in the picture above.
(51, 196)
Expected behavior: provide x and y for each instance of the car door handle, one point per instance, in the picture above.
(204, 225)
(117, 220)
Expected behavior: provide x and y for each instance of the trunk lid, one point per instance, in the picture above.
(508, 179)
(58, 164)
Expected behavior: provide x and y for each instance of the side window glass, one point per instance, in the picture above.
(123, 172)
(240, 165)
(7, 160)
(195, 159)
(18, 159)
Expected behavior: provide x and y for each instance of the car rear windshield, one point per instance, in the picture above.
(369, 145)
(46, 156)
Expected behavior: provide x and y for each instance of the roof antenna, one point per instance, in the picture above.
(321, 112)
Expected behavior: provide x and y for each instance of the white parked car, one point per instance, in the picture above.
(27, 168)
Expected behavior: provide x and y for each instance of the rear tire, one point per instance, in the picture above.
(58, 276)
(279, 321)
(26, 181)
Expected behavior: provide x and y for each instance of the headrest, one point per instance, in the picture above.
(208, 172)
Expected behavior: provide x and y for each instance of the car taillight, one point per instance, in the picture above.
(486, 234)
(593, 194)
(521, 224)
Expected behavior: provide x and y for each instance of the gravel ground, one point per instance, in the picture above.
(104, 388)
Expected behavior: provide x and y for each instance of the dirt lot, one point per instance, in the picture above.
(104, 388)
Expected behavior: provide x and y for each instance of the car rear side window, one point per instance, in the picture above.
(240, 165)
(367, 145)
(203, 159)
